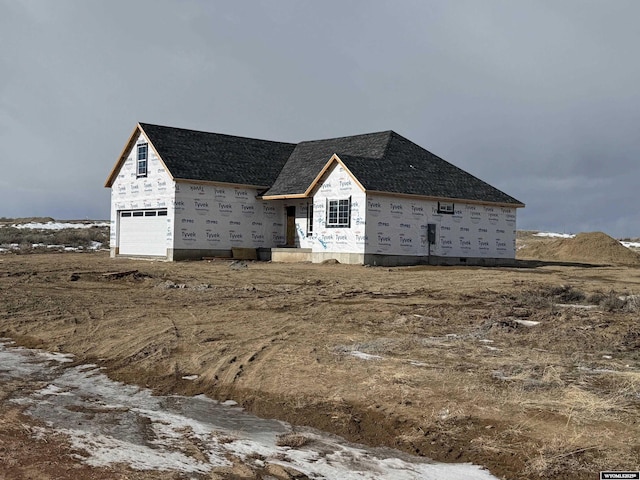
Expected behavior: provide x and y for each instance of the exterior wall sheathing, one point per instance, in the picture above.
(472, 234)
(388, 230)
(337, 242)
(211, 220)
(155, 191)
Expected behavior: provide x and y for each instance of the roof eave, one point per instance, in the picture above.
(283, 197)
(446, 199)
(221, 184)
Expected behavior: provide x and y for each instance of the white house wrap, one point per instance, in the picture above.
(373, 199)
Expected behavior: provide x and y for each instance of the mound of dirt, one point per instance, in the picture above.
(593, 247)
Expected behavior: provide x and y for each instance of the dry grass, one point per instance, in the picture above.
(457, 367)
(627, 385)
(585, 407)
(559, 455)
(582, 453)
(71, 237)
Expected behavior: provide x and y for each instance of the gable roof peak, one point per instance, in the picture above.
(211, 157)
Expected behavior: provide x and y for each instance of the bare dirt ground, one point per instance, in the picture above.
(531, 372)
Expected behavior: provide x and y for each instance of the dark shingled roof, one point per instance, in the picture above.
(194, 155)
(382, 162)
(385, 162)
(308, 158)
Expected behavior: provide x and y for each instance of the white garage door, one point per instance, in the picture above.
(143, 232)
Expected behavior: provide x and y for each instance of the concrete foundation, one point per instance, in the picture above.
(347, 258)
(291, 255)
(407, 260)
(175, 254)
(306, 255)
(302, 255)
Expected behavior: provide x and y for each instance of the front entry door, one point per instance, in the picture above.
(291, 226)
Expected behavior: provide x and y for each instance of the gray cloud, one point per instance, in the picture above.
(539, 98)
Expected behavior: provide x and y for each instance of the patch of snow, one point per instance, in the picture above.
(364, 356)
(114, 435)
(59, 225)
(106, 450)
(607, 357)
(415, 363)
(88, 366)
(500, 375)
(55, 356)
(486, 340)
(95, 245)
(17, 362)
(53, 390)
(527, 323)
(229, 403)
(597, 370)
(553, 235)
(190, 377)
(350, 462)
(629, 297)
(493, 349)
(631, 244)
(571, 305)
(204, 398)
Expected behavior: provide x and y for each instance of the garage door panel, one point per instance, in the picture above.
(143, 232)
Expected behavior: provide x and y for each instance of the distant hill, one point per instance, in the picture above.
(19, 220)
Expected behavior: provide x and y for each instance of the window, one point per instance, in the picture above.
(144, 213)
(339, 213)
(445, 207)
(309, 219)
(142, 160)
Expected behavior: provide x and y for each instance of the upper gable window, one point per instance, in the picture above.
(339, 213)
(141, 170)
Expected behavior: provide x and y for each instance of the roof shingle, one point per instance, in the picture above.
(382, 162)
(385, 162)
(204, 156)
(308, 158)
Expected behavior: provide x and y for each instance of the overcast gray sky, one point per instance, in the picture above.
(540, 98)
